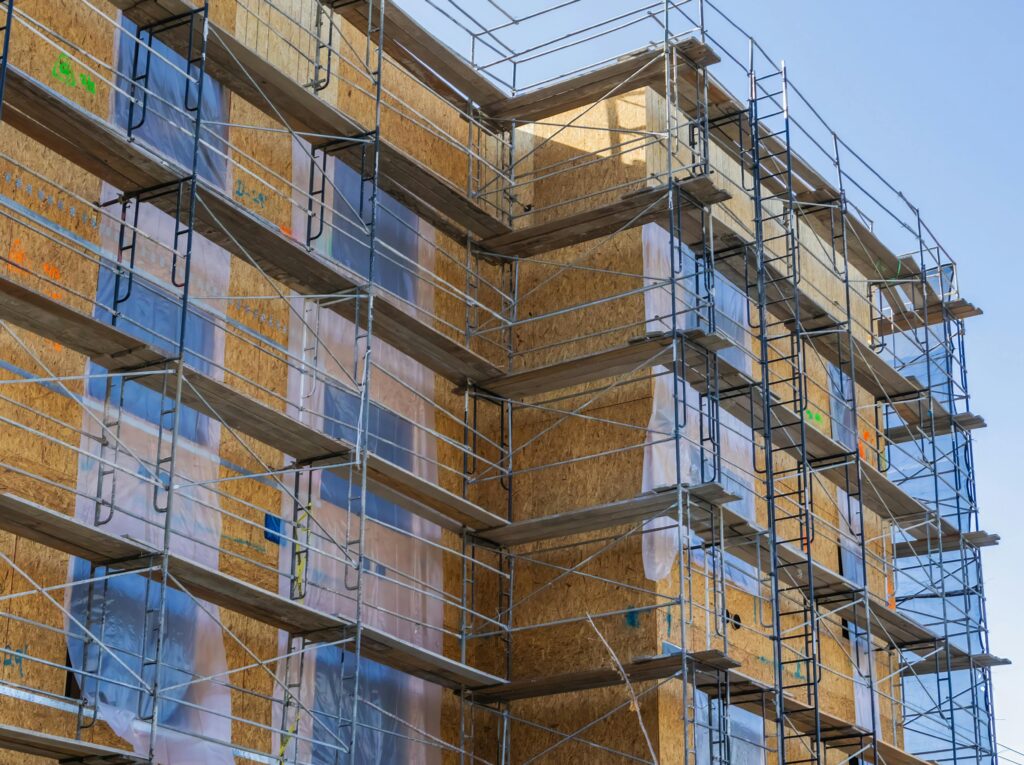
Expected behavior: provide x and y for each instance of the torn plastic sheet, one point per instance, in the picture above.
(660, 541)
(193, 716)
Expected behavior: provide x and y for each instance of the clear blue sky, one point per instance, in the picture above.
(930, 93)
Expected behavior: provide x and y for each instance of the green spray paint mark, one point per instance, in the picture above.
(64, 73)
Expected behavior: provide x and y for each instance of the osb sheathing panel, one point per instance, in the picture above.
(555, 284)
(620, 730)
(606, 478)
(254, 364)
(263, 154)
(586, 157)
(245, 551)
(817, 262)
(412, 118)
(280, 32)
(224, 13)
(77, 65)
(48, 460)
(458, 276)
(485, 488)
(594, 167)
(252, 687)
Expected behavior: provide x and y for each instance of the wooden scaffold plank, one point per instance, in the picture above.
(118, 351)
(638, 670)
(943, 425)
(103, 151)
(65, 750)
(627, 511)
(947, 543)
(62, 532)
(631, 210)
(640, 69)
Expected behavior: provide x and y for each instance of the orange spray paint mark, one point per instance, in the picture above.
(53, 274)
(865, 444)
(16, 256)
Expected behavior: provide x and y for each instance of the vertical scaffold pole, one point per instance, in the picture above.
(861, 638)
(5, 53)
(795, 618)
(185, 190)
(374, 39)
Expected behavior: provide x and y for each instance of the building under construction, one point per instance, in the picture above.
(483, 383)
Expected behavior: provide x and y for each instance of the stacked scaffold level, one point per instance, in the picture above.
(468, 384)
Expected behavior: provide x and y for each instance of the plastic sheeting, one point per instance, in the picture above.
(746, 734)
(851, 566)
(193, 645)
(731, 305)
(166, 125)
(841, 411)
(399, 568)
(660, 542)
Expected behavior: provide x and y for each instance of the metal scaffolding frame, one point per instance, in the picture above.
(900, 319)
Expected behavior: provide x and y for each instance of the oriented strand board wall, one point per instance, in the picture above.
(574, 484)
(35, 182)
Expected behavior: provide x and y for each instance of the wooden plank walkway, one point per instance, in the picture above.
(118, 351)
(62, 532)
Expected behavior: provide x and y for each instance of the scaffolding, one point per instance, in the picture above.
(367, 389)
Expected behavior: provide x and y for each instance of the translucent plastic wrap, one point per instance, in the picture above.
(117, 608)
(399, 568)
(660, 542)
(731, 305)
(852, 568)
(746, 734)
(841, 412)
(166, 125)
